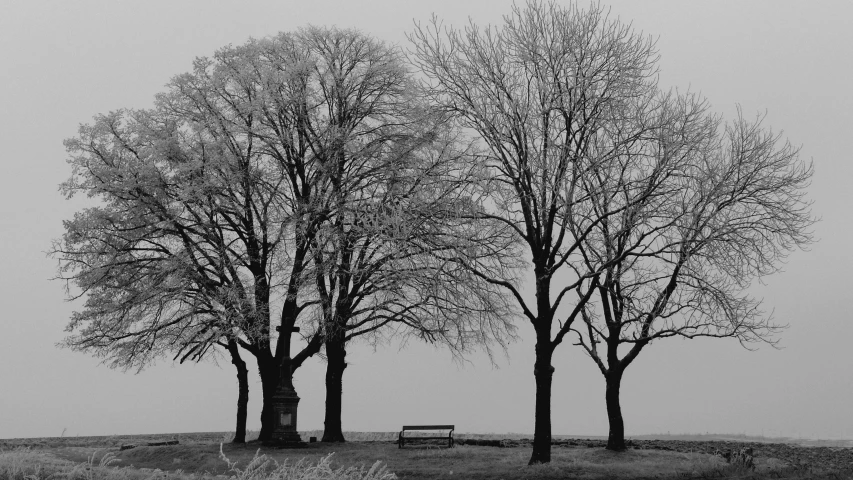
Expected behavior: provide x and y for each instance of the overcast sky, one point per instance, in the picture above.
(61, 63)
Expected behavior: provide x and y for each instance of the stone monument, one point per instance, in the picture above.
(285, 403)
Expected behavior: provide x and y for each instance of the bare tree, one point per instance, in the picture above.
(255, 99)
(142, 257)
(381, 268)
(391, 174)
(703, 213)
(190, 201)
(546, 93)
(291, 180)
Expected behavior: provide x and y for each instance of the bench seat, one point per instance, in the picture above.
(401, 439)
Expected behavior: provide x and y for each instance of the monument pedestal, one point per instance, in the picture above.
(285, 403)
(284, 434)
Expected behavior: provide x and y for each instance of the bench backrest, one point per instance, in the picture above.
(429, 427)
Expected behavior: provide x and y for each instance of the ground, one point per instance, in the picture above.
(477, 458)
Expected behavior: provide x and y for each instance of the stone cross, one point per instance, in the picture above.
(286, 373)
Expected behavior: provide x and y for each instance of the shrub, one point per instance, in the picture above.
(262, 467)
(25, 464)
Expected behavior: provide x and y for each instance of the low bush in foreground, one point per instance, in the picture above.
(26, 464)
(262, 467)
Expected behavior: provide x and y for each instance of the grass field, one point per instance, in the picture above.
(368, 456)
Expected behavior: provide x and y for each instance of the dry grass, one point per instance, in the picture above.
(261, 467)
(27, 464)
(463, 462)
(375, 458)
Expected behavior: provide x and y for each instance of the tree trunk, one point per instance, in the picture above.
(243, 392)
(269, 370)
(616, 437)
(544, 373)
(336, 357)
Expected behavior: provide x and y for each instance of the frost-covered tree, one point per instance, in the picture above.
(638, 217)
(539, 92)
(704, 210)
(292, 181)
(395, 188)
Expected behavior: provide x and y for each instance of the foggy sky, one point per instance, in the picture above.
(61, 63)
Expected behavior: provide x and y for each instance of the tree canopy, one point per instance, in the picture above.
(600, 173)
(296, 179)
(323, 179)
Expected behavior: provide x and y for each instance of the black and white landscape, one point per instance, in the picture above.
(606, 237)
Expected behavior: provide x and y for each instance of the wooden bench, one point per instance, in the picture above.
(401, 441)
